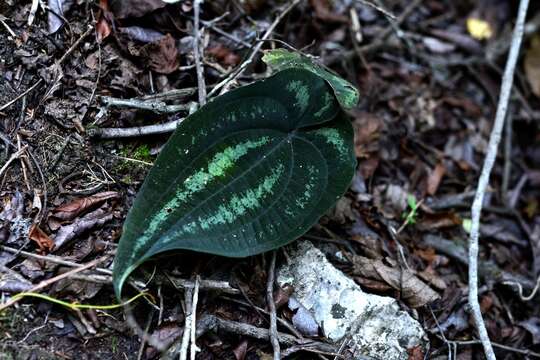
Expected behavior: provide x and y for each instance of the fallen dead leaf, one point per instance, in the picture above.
(66, 233)
(324, 11)
(134, 8)
(414, 291)
(532, 325)
(71, 210)
(166, 334)
(162, 55)
(141, 34)
(435, 221)
(42, 240)
(470, 108)
(416, 353)
(103, 29)
(532, 65)
(391, 200)
(240, 350)
(434, 178)
(437, 46)
(224, 55)
(367, 129)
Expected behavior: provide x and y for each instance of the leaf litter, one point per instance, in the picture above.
(426, 104)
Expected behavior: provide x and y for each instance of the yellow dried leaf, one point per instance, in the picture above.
(532, 65)
(479, 29)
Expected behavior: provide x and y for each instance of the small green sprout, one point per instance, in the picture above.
(410, 216)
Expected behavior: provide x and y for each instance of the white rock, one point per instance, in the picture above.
(375, 324)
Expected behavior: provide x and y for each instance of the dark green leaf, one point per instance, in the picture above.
(280, 59)
(249, 172)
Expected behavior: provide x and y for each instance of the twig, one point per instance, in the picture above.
(145, 336)
(60, 261)
(188, 298)
(54, 279)
(194, 348)
(33, 10)
(211, 322)
(74, 46)
(379, 40)
(234, 75)
(487, 270)
(111, 133)
(520, 289)
(379, 9)
(272, 307)
(13, 157)
(198, 53)
(11, 32)
(132, 322)
(11, 102)
(507, 169)
(212, 285)
(155, 106)
(476, 209)
(173, 94)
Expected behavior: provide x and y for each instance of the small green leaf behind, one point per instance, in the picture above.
(249, 172)
(280, 59)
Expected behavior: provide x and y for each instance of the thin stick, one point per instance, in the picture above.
(111, 133)
(380, 9)
(255, 49)
(198, 53)
(272, 308)
(75, 44)
(212, 285)
(188, 298)
(507, 169)
(13, 157)
(520, 289)
(52, 280)
(11, 102)
(494, 139)
(194, 348)
(158, 107)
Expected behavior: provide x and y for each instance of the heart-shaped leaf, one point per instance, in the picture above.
(249, 172)
(280, 59)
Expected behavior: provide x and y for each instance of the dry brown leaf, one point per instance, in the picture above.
(471, 108)
(134, 8)
(102, 29)
(42, 240)
(438, 221)
(224, 55)
(532, 325)
(66, 233)
(79, 206)
(416, 353)
(434, 178)
(414, 291)
(324, 11)
(240, 350)
(367, 128)
(532, 65)
(162, 55)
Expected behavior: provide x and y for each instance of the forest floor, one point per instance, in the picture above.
(429, 78)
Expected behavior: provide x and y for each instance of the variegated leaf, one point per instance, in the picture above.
(249, 172)
(280, 59)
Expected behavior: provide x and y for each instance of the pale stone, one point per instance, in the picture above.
(374, 324)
